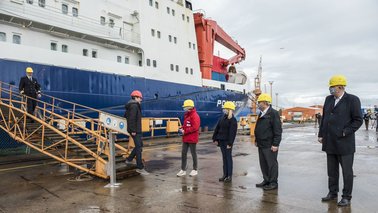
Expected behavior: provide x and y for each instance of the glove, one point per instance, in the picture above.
(39, 95)
(22, 92)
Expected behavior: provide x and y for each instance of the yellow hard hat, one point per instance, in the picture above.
(337, 80)
(29, 70)
(229, 105)
(264, 97)
(188, 103)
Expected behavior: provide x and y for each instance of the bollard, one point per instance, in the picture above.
(111, 167)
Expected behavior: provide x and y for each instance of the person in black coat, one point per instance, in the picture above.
(29, 86)
(341, 119)
(268, 134)
(224, 137)
(133, 115)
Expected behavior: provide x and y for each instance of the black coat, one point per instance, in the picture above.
(30, 87)
(133, 117)
(268, 130)
(225, 131)
(339, 124)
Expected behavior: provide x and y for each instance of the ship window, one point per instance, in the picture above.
(194, 46)
(53, 46)
(177, 68)
(30, 1)
(148, 62)
(3, 36)
(173, 12)
(111, 23)
(75, 12)
(140, 63)
(157, 5)
(85, 52)
(64, 48)
(168, 10)
(94, 53)
(188, 5)
(187, 18)
(183, 17)
(102, 20)
(127, 60)
(42, 3)
(170, 38)
(17, 39)
(119, 59)
(151, 3)
(186, 70)
(64, 8)
(190, 44)
(158, 34)
(175, 40)
(153, 32)
(154, 64)
(172, 67)
(191, 71)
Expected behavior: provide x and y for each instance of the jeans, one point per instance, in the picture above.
(137, 151)
(227, 160)
(184, 153)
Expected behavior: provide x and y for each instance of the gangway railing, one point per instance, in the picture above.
(61, 133)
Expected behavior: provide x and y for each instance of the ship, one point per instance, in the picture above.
(96, 52)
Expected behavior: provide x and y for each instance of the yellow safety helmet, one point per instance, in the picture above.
(337, 80)
(188, 103)
(29, 70)
(229, 105)
(264, 97)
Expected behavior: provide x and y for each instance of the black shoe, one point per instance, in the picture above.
(227, 179)
(329, 197)
(221, 179)
(262, 184)
(270, 187)
(344, 202)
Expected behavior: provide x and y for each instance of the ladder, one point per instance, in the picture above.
(60, 130)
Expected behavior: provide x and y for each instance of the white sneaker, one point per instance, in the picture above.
(181, 173)
(142, 171)
(193, 173)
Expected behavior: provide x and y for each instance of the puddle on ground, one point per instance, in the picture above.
(187, 189)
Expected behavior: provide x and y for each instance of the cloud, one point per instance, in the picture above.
(304, 43)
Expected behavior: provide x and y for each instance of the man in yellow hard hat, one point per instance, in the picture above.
(29, 86)
(341, 119)
(268, 134)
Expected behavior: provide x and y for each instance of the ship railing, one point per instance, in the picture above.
(80, 23)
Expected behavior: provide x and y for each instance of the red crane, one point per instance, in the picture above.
(208, 32)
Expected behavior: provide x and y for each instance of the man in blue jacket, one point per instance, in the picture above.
(341, 119)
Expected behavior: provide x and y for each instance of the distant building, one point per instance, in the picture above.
(301, 113)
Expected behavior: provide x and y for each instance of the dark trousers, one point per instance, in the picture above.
(269, 165)
(137, 151)
(367, 124)
(227, 160)
(30, 105)
(346, 162)
(184, 153)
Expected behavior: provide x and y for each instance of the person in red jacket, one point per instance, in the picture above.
(190, 132)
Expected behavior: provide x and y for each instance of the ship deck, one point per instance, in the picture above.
(44, 186)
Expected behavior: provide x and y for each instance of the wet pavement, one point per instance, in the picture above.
(47, 186)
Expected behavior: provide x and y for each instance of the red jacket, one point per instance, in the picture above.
(191, 126)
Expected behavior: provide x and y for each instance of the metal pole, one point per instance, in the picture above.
(111, 167)
(277, 101)
(271, 90)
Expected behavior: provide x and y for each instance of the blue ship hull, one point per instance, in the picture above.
(110, 92)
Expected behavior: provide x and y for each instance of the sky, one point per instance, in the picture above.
(303, 44)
